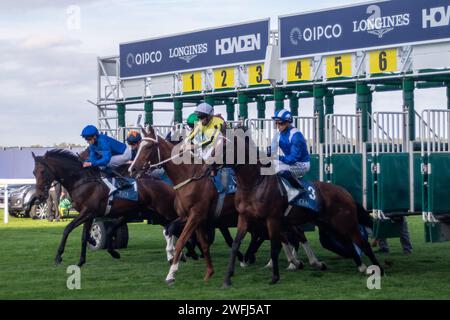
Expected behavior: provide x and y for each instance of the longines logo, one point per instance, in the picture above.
(187, 53)
(378, 25)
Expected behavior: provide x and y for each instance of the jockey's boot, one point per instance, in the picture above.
(122, 183)
(294, 182)
(109, 173)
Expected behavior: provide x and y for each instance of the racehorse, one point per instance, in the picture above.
(90, 196)
(261, 203)
(195, 197)
(193, 191)
(175, 227)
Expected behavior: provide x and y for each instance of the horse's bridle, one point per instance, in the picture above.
(48, 183)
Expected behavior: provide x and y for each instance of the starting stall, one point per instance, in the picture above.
(395, 161)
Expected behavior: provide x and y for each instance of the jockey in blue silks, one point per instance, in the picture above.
(104, 151)
(292, 157)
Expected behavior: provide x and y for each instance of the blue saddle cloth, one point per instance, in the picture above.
(129, 193)
(307, 199)
(231, 186)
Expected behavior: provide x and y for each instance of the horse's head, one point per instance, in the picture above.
(44, 177)
(148, 152)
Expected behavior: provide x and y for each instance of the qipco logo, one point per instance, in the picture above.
(315, 33)
(143, 58)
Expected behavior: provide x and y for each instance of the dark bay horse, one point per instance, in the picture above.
(89, 196)
(261, 204)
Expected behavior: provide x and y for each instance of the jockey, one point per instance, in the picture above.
(206, 131)
(134, 139)
(294, 163)
(104, 151)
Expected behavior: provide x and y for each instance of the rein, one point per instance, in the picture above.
(162, 162)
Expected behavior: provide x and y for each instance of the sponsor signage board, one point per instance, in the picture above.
(371, 25)
(224, 46)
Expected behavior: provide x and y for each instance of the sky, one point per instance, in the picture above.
(48, 63)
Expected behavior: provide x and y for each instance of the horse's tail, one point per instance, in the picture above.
(364, 216)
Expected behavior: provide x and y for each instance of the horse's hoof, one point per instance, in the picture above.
(274, 280)
(323, 266)
(58, 260)
(183, 258)
(226, 284)
(170, 282)
(170, 261)
(362, 268)
(115, 254)
(243, 265)
(81, 263)
(292, 267)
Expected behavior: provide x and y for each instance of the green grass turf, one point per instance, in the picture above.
(27, 270)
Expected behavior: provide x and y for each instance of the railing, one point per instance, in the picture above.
(5, 183)
(263, 131)
(435, 131)
(343, 134)
(390, 132)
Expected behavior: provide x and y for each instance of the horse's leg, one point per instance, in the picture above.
(171, 234)
(109, 234)
(273, 226)
(313, 261)
(367, 249)
(348, 243)
(191, 225)
(67, 230)
(294, 262)
(240, 234)
(229, 240)
(250, 254)
(205, 248)
(84, 238)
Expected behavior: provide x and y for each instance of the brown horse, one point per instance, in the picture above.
(195, 197)
(90, 195)
(261, 204)
(175, 227)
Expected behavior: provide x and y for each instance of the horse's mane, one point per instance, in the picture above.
(67, 157)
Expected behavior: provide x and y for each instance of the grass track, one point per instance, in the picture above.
(27, 270)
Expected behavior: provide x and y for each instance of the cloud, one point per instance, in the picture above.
(48, 41)
(30, 5)
(44, 92)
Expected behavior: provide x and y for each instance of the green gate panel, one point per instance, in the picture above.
(418, 182)
(369, 177)
(347, 173)
(386, 228)
(439, 183)
(393, 182)
(436, 232)
(314, 172)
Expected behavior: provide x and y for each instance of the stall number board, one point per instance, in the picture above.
(192, 81)
(339, 66)
(383, 61)
(299, 70)
(255, 75)
(224, 78)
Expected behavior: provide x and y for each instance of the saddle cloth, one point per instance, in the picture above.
(129, 193)
(307, 199)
